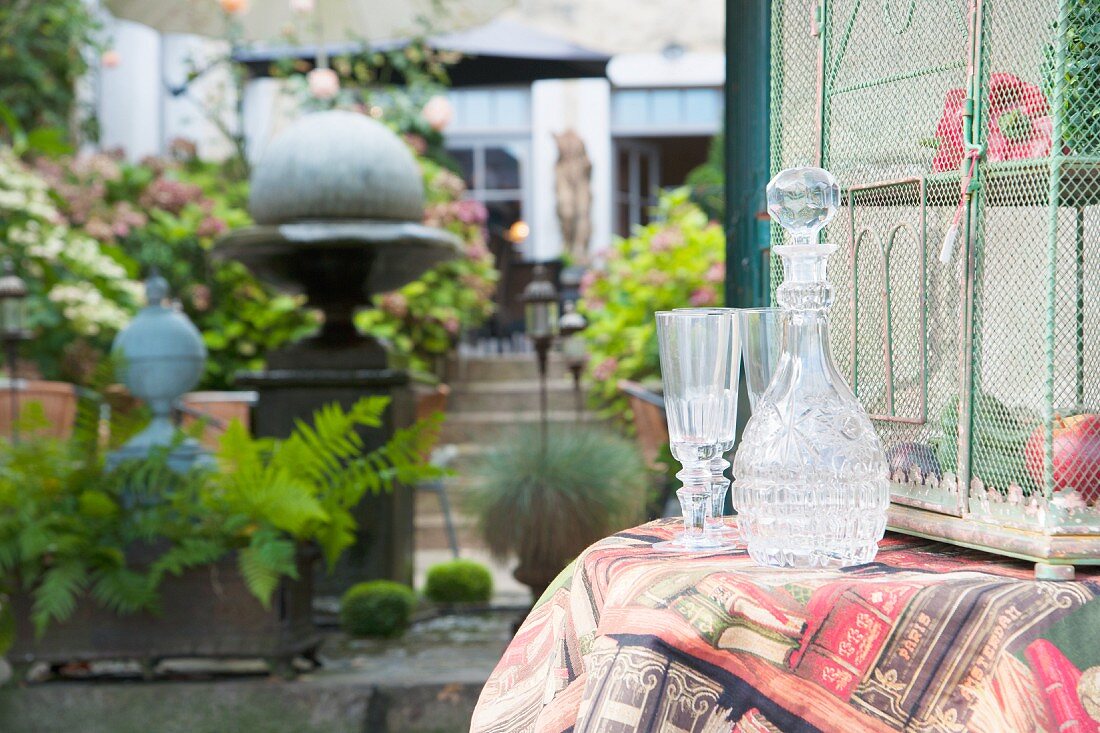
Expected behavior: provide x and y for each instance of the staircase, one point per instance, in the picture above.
(489, 395)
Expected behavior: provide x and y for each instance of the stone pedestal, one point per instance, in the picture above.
(385, 538)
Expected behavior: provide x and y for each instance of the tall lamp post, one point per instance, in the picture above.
(13, 329)
(575, 350)
(540, 310)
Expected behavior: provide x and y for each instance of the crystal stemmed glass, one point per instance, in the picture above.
(719, 485)
(695, 353)
(760, 330)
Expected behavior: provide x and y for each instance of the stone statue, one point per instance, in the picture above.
(573, 188)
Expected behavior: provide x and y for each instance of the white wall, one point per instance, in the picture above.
(583, 105)
(129, 94)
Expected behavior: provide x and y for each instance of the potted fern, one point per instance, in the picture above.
(544, 506)
(143, 563)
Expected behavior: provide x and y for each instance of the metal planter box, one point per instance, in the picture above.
(982, 118)
(206, 612)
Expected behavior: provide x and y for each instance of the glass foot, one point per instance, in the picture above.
(682, 543)
(724, 532)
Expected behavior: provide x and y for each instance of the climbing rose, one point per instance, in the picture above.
(438, 112)
(235, 7)
(323, 83)
(110, 59)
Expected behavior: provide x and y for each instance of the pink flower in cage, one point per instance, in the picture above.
(704, 295)
(1019, 124)
(323, 83)
(605, 370)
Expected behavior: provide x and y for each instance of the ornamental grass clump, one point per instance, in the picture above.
(459, 581)
(546, 506)
(379, 608)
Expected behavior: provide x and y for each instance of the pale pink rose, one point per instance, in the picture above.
(110, 59)
(704, 296)
(301, 6)
(438, 112)
(605, 369)
(323, 83)
(234, 7)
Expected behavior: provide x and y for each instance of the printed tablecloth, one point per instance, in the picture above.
(929, 637)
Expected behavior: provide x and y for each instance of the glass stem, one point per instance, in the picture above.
(719, 485)
(694, 499)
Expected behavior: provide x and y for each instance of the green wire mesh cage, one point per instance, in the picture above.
(967, 303)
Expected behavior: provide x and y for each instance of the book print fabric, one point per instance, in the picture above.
(929, 637)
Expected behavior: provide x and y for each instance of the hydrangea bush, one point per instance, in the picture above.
(166, 213)
(676, 261)
(81, 291)
(423, 320)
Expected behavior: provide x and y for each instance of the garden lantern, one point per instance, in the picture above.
(13, 329)
(540, 309)
(574, 349)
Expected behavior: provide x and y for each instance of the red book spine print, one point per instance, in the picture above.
(1057, 678)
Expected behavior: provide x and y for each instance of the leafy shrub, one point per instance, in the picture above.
(166, 213)
(673, 262)
(459, 581)
(707, 181)
(44, 50)
(377, 608)
(545, 506)
(423, 320)
(67, 523)
(1080, 85)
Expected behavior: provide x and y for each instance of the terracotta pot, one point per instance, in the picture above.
(218, 409)
(57, 399)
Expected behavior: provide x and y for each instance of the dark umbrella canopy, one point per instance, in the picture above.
(499, 52)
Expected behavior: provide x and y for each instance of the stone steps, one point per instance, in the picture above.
(503, 368)
(511, 394)
(486, 426)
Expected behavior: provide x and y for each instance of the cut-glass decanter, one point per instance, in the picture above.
(810, 476)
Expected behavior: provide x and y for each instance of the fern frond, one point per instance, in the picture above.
(267, 558)
(123, 590)
(189, 553)
(55, 597)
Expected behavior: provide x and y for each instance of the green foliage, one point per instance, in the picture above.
(377, 608)
(423, 320)
(1080, 86)
(675, 261)
(459, 581)
(547, 506)
(166, 214)
(70, 526)
(44, 47)
(707, 181)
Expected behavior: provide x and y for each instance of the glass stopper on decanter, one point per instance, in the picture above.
(802, 201)
(810, 476)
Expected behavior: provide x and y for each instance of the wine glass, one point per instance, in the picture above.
(695, 353)
(715, 523)
(761, 333)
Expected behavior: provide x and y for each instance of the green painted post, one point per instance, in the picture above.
(748, 238)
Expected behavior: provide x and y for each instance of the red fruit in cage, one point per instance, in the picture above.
(1076, 454)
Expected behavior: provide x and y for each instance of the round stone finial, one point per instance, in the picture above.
(156, 289)
(803, 200)
(336, 165)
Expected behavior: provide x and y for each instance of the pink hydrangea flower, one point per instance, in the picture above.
(716, 273)
(703, 296)
(666, 239)
(605, 370)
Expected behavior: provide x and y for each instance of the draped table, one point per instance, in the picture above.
(929, 637)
